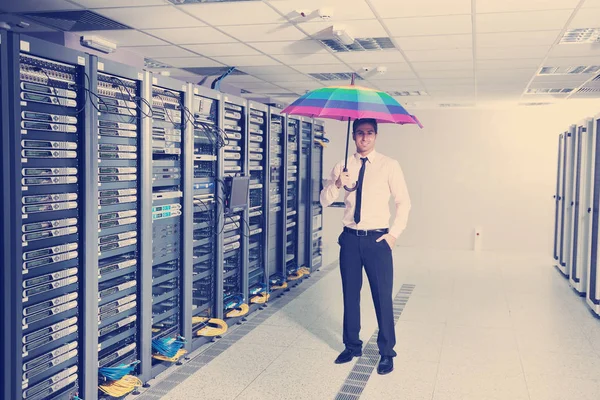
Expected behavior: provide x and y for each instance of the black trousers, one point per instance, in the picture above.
(376, 257)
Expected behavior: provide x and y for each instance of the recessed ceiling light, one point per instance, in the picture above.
(335, 76)
(360, 44)
(150, 63)
(408, 93)
(577, 70)
(535, 104)
(549, 90)
(586, 35)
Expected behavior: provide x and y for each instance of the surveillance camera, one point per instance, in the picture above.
(325, 13)
(366, 69)
(381, 70)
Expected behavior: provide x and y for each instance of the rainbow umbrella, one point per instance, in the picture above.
(344, 103)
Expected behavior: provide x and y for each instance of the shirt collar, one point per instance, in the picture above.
(372, 156)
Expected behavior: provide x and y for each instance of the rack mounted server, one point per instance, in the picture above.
(115, 216)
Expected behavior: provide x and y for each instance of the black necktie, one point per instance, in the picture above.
(361, 175)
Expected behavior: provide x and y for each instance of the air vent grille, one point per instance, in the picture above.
(589, 90)
(335, 76)
(585, 35)
(408, 93)
(577, 70)
(455, 105)
(153, 64)
(533, 104)
(549, 91)
(362, 44)
(76, 21)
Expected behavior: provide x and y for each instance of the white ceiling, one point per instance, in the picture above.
(454, 50)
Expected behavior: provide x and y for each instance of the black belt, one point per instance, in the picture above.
(360, 232)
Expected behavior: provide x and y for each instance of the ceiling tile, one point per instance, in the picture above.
(513, 73)
(322, 68)
(442, 65)
(175, 72)
(381, 57)
(512, 63)
(427, 26)
(199, 35)
(257, 85)
(37, 5)
(299, 86)
(246, 61)
(303, 59)
(269, 70)
(506, 39)
(264, 33)
(389, 75)
(161, 51)
(563, 79)
(586, 18)
(357, 28)
(234, 13)
(188, 62)
(522, 21)
(440, 55)
(119, 3)
(422, 8)
(392, 84)
(443, 81)
(340, 9)
(575, 50)
(591, 4)
(494, 6)
(440, 42)
(290, 47)
(573, 84)
(500, 53)
(280, 78)
(151, 17)
(14, 19)
(571, 61)
(457, 73)
(125, 38)
(222, 49)
(242, 79)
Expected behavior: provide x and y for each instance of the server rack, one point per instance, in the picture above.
(258, 197)
(118, 126)
(234, 157)
(52, 185)
(558, 201)
(593, 272)
(6, 207)
(568, 203)
(582, 189)
(276, 184)
(304, 195)
(316, 219)
(207, 241)
(292, 195)
(169, 128)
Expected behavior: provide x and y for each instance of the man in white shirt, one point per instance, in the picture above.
(366, 239)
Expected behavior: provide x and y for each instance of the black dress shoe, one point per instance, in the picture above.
(386, 365)
(347, 356)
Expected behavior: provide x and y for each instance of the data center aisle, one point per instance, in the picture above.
(485, 326)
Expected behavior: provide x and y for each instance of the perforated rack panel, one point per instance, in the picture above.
(316, 252)
(292, 194)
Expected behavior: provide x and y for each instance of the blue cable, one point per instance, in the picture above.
(233, 304)
(168, 347)
(116, 373)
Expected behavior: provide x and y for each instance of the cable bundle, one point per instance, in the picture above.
(299, 273)
(242, 310)
(211, 326)
(168, 349)
(260, 298)
(118, 383)
(278, 282)
(122, 387)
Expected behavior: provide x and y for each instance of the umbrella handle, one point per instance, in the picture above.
(352, 189)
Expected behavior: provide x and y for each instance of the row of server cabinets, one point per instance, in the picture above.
(577, 210)
(119, 232)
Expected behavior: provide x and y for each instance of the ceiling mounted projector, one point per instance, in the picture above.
(343, 36)
(98, 43)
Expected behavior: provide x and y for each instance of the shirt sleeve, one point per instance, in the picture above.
(331, 192)
(401, 198)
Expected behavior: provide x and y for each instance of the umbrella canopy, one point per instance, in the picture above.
(348, 102)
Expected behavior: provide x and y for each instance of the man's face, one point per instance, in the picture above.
(364, 137)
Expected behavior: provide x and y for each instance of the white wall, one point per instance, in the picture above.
(467, 168)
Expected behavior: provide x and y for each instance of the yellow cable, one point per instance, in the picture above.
(304, 270)
(284, 286)
(175, 358)
(294, 276)
(260, 298)
(214, 327)
(122, 387)
(238, 311)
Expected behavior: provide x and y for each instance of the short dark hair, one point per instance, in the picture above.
(358, 122)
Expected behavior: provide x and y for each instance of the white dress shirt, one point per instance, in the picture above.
(383, 178)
